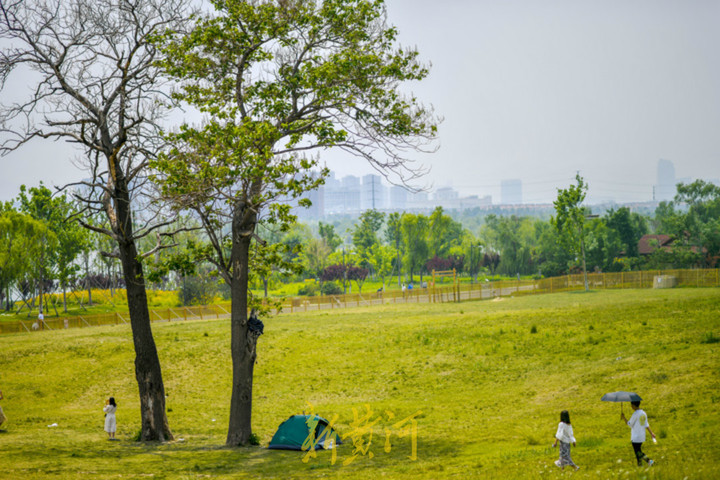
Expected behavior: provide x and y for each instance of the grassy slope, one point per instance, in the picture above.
(490, 391)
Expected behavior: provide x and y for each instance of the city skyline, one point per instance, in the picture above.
(352, 195)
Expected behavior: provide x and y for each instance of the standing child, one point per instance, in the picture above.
(565, 436)
(110, 423)
(638, 423)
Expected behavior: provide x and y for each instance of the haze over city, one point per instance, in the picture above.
(533, 91)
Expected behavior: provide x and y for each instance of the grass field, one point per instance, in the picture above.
(488, 378)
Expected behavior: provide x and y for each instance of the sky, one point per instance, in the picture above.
(535, 90)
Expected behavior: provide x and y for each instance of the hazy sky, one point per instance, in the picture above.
(537, 90)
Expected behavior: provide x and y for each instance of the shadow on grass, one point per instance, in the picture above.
(188, 458)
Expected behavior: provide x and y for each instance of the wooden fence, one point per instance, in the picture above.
(431, 294)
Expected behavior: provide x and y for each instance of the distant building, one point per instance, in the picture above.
(649, 243)
(317, 198)
(445, 195)
(511, 192)
(398, 198)
(351, 194)
(334, 195)
(474, 201)
(418, 201)
(373, 193)
(665, 186)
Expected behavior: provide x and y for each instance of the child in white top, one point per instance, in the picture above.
(565, 436)
(110, 422)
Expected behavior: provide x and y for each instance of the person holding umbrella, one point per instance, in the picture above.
(638, 423)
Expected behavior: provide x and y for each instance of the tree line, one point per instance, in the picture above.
(42, 250)
(684, 233)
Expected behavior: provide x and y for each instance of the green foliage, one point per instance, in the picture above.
(510, 237)
(693, 219)
(443, 234)
(364, 234)
(329, 236)
(22, 239)
(629, 226)
(570, 220)
(413, 229)
(570, 216)
(309, 289)
(199, 290)
(331, 288)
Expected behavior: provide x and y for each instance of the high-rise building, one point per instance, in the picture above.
(398, 197)
(351, 194)
(334, 195)
(373, 193)
(665, 186)
(511, 192)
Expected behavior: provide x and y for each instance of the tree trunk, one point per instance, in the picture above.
(243, 344)
(147, 364)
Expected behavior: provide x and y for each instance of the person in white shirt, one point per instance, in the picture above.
(638, 423)
(565, 436)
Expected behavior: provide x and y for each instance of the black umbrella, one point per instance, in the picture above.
(621, 397)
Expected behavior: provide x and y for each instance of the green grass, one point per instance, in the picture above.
(489, 389)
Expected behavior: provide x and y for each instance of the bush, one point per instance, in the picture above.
(331, 288)
(309, 289)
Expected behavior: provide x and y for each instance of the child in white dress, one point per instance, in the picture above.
(110, 423)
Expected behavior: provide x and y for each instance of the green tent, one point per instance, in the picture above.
(312, 431)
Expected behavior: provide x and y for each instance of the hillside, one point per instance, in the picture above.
(489, 379)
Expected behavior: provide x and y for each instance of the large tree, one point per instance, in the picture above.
(365, 232)
(414, 230)
(95, 84)
(570, 220)
(630, 227)
(443, 234)
(276, 80)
